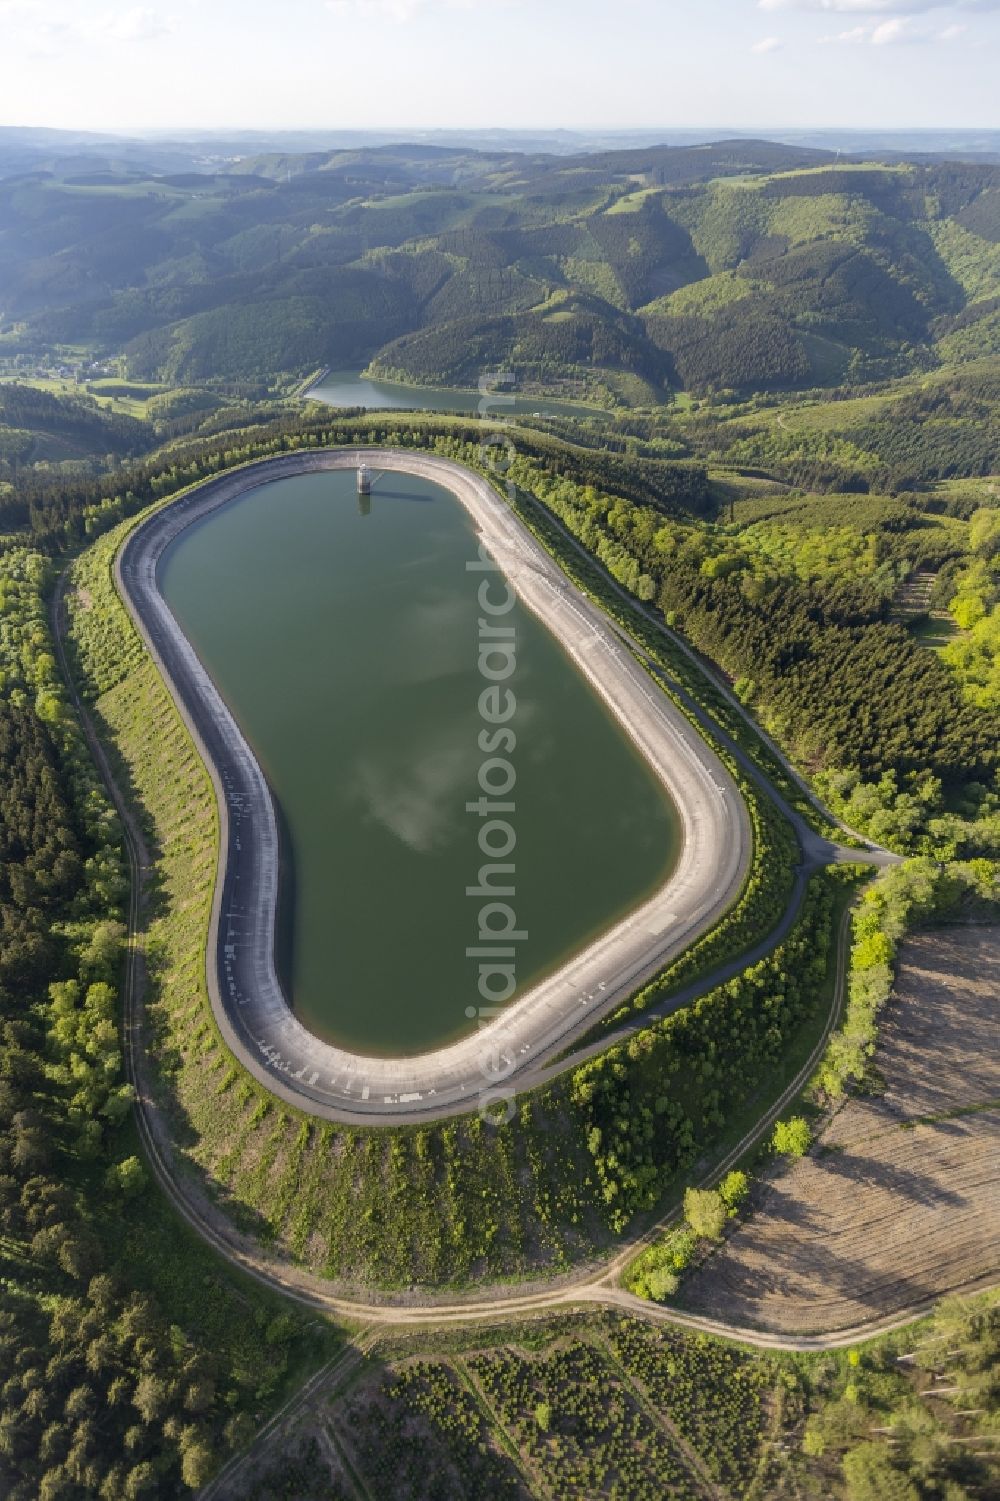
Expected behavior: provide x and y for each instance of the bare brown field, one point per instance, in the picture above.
(899, 1200)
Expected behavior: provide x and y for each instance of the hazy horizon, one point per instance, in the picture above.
(465, 64)
(706, 132)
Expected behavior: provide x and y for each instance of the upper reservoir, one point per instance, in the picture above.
(348, 646)
(346, 388)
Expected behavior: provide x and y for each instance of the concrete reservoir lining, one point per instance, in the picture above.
(486, 1067)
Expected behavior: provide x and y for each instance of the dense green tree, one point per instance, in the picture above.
(871, 1476)
(792, 1138)
(705, 1212)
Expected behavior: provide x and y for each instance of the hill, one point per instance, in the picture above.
(745, 264)
(37, 426)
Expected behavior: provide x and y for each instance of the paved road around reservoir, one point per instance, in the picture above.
(588, 1286)
(512, 1047)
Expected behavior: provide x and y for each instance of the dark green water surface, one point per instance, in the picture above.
(347, 647)
(346, 388)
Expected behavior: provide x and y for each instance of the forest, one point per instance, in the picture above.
(764, 267)
(844, 687)
(650, 1105)
(110, 1388)
(76, 420)
(57, 510)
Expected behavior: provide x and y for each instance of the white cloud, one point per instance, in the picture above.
(895, 29)
(767, 44)
(421, 800)
(879, 7)
(36, 30)
(139, 24)
(400, 11)
(47, 27)
(838, 7)
(397, 10)
(888, 32)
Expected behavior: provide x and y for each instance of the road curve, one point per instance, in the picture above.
(580, 1290)
(245, 993)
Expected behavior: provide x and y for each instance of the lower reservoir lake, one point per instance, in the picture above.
(347, 646)
(347, 388)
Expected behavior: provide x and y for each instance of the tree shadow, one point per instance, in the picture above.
(777, 1280)
(870, 1172)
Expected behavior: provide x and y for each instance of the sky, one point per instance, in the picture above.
(372, 64)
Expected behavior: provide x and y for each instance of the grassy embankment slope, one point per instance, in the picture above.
(467, 1200)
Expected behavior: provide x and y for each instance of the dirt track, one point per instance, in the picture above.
(206, 1219)
(900, 1199)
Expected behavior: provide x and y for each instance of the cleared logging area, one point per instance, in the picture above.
(900, 1199)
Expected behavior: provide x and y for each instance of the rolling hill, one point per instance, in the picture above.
(747, 265)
